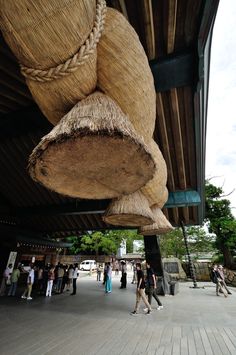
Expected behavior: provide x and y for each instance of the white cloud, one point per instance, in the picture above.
(221, 125)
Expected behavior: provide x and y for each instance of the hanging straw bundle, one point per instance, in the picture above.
(93, 152)
(131, 210)
(55, 42)
(160, 226)
(154, 192)
(124, 73)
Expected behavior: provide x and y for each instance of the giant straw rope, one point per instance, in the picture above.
(78, 59)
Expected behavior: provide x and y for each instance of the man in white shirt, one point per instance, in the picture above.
(30, 281)
(74, 278)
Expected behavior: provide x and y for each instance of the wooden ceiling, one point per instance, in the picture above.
(176, 35)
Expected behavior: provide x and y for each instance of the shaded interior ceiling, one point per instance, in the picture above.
(176, 36)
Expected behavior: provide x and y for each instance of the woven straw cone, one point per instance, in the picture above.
(124, 73)
(161, 225)
(94, 152)
(48, 33)
(132, 210)
(155, 190)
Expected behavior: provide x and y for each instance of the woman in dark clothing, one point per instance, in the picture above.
(151, 287)
(140, 294)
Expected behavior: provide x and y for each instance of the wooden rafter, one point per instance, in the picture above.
(124, 9)
(172, 12)
(149, 28)
(165, 141)
(178, 143)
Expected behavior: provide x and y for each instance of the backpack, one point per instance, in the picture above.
(213, 277)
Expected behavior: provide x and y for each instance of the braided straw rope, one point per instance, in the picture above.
(78, 59)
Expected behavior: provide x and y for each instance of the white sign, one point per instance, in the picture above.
(12, 259)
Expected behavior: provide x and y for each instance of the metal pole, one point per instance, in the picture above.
(191, 268)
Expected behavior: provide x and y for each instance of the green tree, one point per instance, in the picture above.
(221, 222)
(128, 234)
(172, 244)
(200, 241)
(106, 242)
(98, 242)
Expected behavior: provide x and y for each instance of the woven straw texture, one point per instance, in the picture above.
(49, 33)
(161, 225)
(124, 73)
(155, 190)
(94, 152)
(132, 210)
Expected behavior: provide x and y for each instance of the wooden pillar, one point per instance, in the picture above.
(153, 253)
(153, 256)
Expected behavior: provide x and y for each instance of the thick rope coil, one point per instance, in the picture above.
(78, 59)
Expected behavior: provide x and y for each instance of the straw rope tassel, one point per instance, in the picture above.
(78, 59)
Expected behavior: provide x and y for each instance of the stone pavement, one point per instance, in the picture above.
(194, 322)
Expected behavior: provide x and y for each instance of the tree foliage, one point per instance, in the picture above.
(106, 242)
(172, 244)
(221, 222)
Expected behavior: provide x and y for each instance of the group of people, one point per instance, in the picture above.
(146, 289)
(218, 277)
(44, 279)
(146, 284)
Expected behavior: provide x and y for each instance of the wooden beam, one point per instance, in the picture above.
(173, 71)
(148, 28)
(176, 128)
(161, 125)
(15, 85)
(11, 68)
(183, 199)
(14, 96)
(22, 122)
(11, 105)
(124, 9)
(95, 207)
(82, 207)
(172, 11)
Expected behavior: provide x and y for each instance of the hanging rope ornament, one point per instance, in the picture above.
(78, 59)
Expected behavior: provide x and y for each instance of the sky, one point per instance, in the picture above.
(221, 120)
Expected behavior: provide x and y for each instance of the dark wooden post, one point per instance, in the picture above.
(153, 253)
(153, 256)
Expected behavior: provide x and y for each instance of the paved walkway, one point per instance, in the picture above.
(193, 322)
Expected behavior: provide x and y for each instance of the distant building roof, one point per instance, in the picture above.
(132, 256)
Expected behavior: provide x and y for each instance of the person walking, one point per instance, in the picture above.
(123, 274)
(108, 284)
(134, 279)
(116, 268)
(74, 278)
(30, 282)
(60, 274)
(14, 279)
(151, 287)
(51, 278)
(40, 279)
(222, 276)
(99, 272)
(70, 275)
(140, 294)
(105, 274)
(215, 276)
(6, 279)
